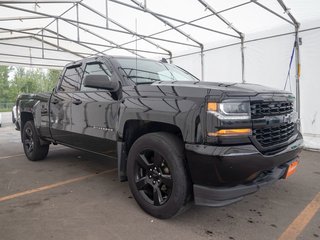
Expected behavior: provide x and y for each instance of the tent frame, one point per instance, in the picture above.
(137, 6)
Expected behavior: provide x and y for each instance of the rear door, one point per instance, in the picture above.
(60, 105)
(95, 114)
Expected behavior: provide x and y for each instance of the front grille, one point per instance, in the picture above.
(261, 109)
(270, 136)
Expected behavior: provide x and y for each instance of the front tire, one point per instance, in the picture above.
(31, 143)
(157, 175)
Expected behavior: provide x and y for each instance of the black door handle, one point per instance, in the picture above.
(54, 101)
(76, 101)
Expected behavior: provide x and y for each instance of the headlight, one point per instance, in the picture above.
(230, 110)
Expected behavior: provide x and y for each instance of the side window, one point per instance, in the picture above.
(95, 68)
(71, 79)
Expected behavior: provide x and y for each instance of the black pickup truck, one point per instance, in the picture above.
(177, 139)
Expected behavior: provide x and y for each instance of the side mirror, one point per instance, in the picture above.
(101, 82)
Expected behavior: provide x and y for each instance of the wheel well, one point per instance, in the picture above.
(134, 129)
(25, 117)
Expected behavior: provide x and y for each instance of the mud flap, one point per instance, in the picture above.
(122, 161)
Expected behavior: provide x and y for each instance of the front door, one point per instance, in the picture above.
(94, 114)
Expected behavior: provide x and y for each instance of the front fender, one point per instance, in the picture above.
(186, 114)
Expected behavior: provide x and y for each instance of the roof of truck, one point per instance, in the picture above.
(91, 59)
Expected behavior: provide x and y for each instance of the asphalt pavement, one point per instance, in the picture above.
(77, 195)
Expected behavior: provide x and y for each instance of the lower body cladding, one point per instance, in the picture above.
(222, 175)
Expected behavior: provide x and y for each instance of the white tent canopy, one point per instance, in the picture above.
(234, 40)
(83, 28)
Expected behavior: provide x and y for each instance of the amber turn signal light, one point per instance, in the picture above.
(212, 106)
(230, 132)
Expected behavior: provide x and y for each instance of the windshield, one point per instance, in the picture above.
(142, 71)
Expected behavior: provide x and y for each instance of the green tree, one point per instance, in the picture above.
(4, 84)
(34, 80)
(25, 80)
(52, 78)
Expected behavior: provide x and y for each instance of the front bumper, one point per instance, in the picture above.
(222, 196)
(224, 174)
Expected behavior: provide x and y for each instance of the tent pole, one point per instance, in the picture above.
(190, 23)
(229, 24)
(185, 23)
(170, 57)
(167, 23)
(297, 59)
(38, 2)
(35, 57)
(298, 68)
(202, 64)
(63, 38)
(42, 45)
(273, 12)
(57, 32)
(127, 30)
(242, 59)
(80, 55)
(107, 15)
(78, 32)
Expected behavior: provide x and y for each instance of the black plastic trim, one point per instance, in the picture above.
(222, 196)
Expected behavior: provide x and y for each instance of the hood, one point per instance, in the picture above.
(231, 89)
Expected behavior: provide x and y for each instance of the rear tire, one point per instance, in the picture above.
(31, 143)
(157, 175)
(13, 118)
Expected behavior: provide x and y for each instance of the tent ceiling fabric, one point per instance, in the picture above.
(48, 33)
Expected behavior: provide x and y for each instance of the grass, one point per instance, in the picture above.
(5, 109)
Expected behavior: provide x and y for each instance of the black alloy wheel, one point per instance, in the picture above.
(157, 174)
(153, 177)
(32, 146)
(28, 141)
